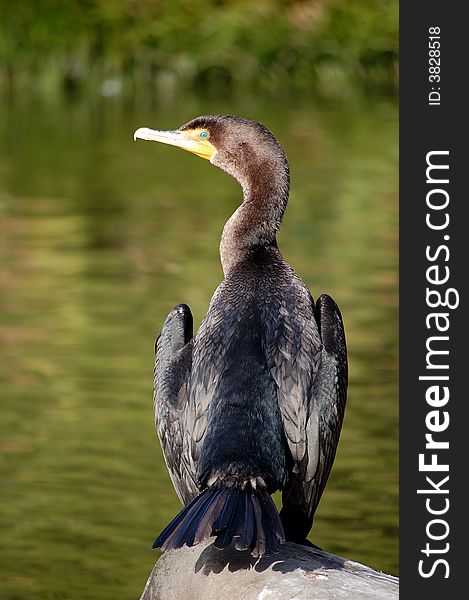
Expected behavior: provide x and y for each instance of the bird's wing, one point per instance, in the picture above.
(207, 366)
(186, 426)
(307, 357)
(170, 427)
(173, 360)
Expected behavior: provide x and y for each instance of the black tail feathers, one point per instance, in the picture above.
(246, 519)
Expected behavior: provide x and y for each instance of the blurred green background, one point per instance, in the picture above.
(158, 44)
(101, 236)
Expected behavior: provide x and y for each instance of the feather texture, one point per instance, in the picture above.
(243, 518)
(254, 402)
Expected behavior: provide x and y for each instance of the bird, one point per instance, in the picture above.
(253, 402)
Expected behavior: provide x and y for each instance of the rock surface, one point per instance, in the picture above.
(295, 573)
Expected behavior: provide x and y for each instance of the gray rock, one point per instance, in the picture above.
(295, 573)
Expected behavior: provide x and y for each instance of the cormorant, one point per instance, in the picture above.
(254, 401)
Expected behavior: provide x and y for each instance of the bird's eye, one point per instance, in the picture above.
(203, 135)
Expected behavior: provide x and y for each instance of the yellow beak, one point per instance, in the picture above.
(187, 140)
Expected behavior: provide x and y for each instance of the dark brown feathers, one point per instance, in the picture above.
(254, 402)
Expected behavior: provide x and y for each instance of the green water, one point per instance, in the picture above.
(99, 238)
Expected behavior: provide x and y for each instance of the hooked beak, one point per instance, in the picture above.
(187, 140)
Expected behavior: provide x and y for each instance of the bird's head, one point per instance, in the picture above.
(238, 146)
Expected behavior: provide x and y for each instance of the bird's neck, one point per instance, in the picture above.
(255, 223)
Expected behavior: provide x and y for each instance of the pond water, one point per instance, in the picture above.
(99, 238)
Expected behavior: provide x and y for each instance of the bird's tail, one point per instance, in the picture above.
(247, 519)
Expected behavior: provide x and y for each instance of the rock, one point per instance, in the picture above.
(295, 573)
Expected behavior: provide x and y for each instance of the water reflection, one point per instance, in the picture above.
(100, 237)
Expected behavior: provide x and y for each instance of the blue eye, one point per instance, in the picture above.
(203, 135)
